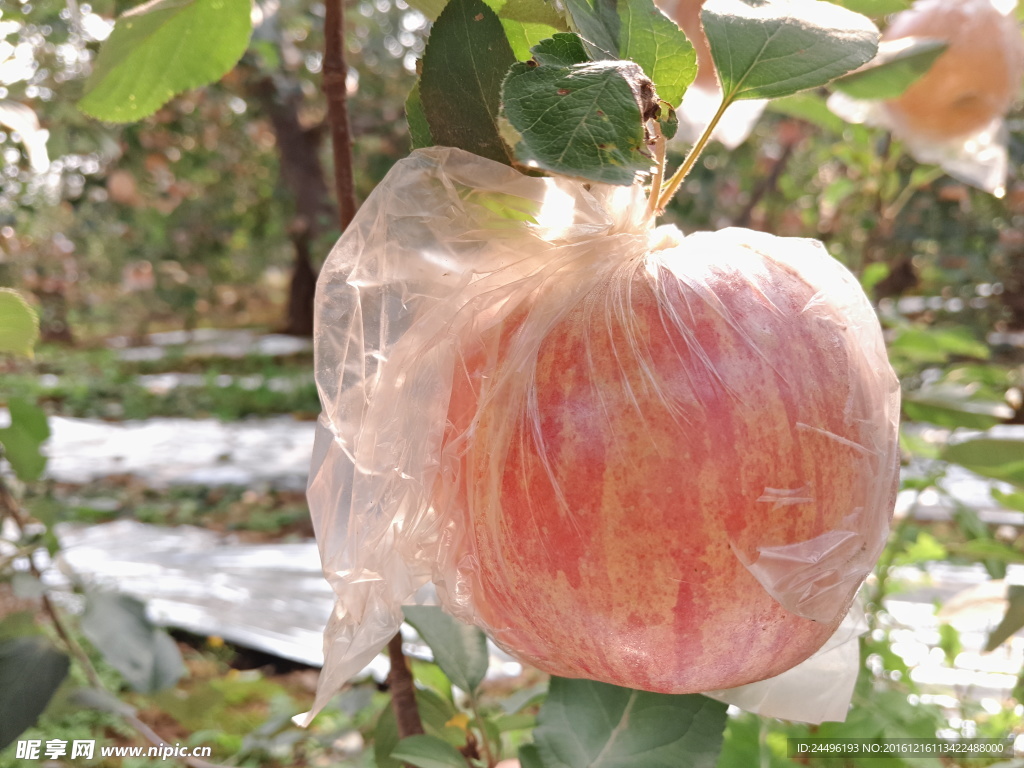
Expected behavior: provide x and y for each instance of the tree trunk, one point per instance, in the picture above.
(302, 172)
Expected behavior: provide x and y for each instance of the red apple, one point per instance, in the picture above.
(641, 476)
(974, 81)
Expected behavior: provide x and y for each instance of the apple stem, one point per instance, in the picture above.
(676, 180)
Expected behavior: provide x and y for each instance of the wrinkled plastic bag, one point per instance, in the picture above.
(453, 257)
(976, 31)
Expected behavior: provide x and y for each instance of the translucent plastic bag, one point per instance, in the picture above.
(954, 115)
(623, 453)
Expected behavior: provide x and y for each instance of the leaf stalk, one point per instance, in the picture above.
(676, 180)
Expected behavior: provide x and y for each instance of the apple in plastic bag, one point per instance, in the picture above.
(976, 78)
(681, 485)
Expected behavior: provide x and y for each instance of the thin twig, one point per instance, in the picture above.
(403, 691)
(336, 90)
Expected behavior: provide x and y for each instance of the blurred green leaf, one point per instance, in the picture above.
(429, 8)
(746, 744)
(936, 345)
(873, 274)
(585, 724)
(990, 457)
(18, 624)
(989, 550)
(162, 48)
(875, 8)
(1013, 619)
(31, 671)
(19, 325)
(766, 49)
(431, 676)
(925, 547)
(463, 66)
(898, 65)
(419, 131)
(428, 752)
(460, 650)
(529, 757)
(952, 407)
(144, 654)
(23, 438)
(435, 712)
(949, 642)
(1010, 500)
(810, 108)
(527, 22)
(517, 722)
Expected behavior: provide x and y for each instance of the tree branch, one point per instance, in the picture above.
(403, 691)
(334, 85)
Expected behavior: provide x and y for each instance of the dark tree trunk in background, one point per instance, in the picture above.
(302, 171)
(302, 289)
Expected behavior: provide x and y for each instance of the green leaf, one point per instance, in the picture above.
(926, 547)
(950, 407)
(991, 552)
(18, 624)
(811, 109)
(31, 671)
(990, 457)
(949, 642)
(464, 63)
(581, 119)
(598, 24)
(875, 8)
(585, 724)
(428, 752)
(668, 120)
(21, 441)
(899, 64)
(435, 712)
(1013, 619)
(429, 675)
(459, 649)
(419, 131)
(1011, 500)
(936, 345)
(655, 42)
(529, 757)
(527, 22)
(639, 31)
(161, 48)
(144, 654)
(19, 325)
(561, 50)
(429, 8)
(765, 49)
